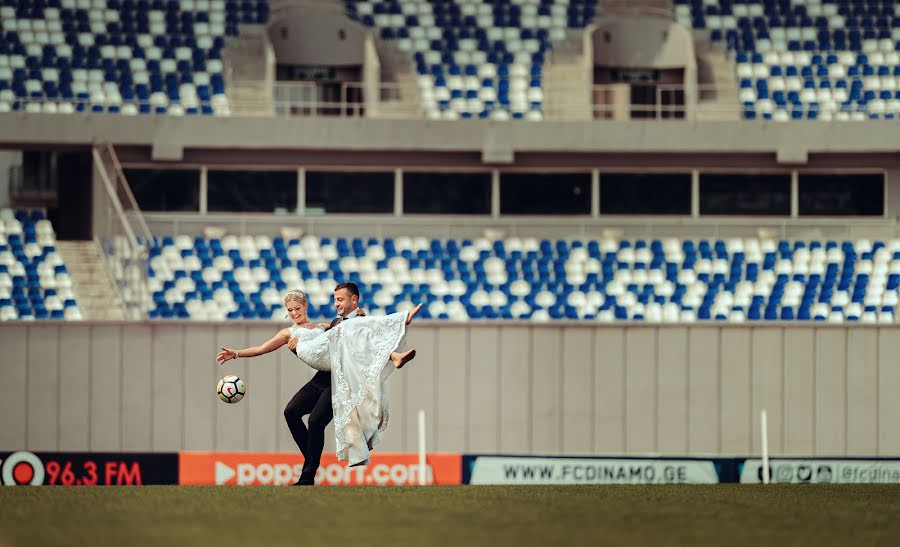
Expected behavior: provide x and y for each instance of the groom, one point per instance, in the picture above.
(315, 397)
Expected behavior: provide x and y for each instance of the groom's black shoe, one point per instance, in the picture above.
(305, 480)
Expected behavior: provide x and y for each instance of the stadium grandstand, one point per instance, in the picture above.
(336, 68)
(656, 243)
(646, 220)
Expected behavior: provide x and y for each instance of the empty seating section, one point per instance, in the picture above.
(808, 59)
(671, 280)
(476, 58)
(34, 282)
(127, 56)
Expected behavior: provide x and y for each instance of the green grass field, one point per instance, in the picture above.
(464, 515)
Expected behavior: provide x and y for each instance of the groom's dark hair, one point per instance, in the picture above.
(350, 286)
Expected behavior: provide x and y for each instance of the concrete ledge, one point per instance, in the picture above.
(493, 140)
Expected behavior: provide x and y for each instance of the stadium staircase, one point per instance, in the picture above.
(249, 81)
(718, 88)
(94, 290)
(568, 78)
(396, 71)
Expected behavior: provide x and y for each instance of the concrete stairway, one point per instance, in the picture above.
(568, 79)
(717, 98)
(249, 62)
(400, 98)
(94, 291)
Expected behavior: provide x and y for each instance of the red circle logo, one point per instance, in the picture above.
(22, 468)
(23, 472)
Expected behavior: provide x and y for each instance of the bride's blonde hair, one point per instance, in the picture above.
(295, 294)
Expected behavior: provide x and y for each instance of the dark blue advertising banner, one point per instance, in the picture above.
(823, 470)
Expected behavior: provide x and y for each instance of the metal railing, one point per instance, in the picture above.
(459, 226)
(561, 101)
(662, 101)
(305, 99)
(122, 233)
(346, 99)
(638, 101)
(40, 189)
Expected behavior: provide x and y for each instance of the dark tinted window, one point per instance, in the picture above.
(165, 190)
(343, 192)
(645, 194)
(71, 217)
(545, 193)
(252, 191)
(447, 193)
(841, 195)
(745, 194)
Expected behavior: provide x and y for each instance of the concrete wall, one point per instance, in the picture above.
(513, 388)
(461, 227)
(892, 192)
(316, 36)
(574, 144)
(8, 158)
(645, 42)
(670, 146)
(360, 143)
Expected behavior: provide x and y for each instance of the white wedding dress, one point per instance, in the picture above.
(357, 352)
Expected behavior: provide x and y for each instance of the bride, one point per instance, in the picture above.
(361, 354)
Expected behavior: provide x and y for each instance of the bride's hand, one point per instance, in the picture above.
(360, 312)
(225, 355)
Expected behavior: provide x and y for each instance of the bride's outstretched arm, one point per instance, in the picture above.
(272, 344)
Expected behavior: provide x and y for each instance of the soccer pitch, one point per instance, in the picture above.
(458, 515)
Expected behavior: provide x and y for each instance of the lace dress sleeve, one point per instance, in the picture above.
(312, 347)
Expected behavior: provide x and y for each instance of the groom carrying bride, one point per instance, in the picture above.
(359, 354)
(315, 397)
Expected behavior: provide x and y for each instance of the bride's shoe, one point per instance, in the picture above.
(400, 359)
(412, 313)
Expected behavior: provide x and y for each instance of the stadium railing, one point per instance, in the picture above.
(122, 233)
(392, 100)
(660, 101)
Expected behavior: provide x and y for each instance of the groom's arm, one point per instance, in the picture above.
(329, 326)
(292, 343)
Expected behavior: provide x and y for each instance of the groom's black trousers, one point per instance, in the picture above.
(314, 399)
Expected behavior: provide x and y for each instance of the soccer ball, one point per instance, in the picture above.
(231, 389)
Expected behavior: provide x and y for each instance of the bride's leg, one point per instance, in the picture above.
(412, 313)
(400, 359)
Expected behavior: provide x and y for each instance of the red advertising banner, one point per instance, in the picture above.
(253, 468)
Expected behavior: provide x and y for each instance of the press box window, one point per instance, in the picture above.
(447, 193)
(346, 192)
(165, 189)
(645, 194)
(252, 191)
(763, 194)
(841, 195)
(545, 193)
